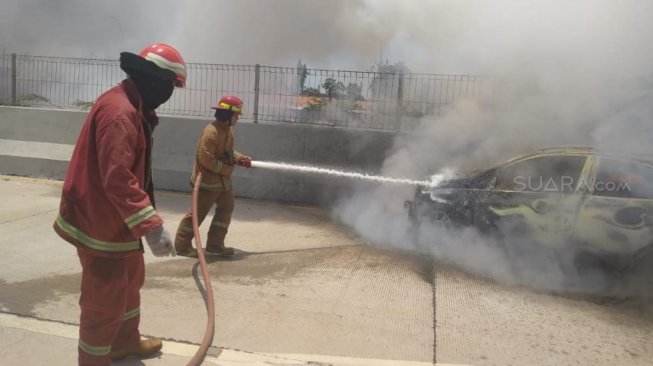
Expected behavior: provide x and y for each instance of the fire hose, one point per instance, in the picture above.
(200, 354)
(210, 305)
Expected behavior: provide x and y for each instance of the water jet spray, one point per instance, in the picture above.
(345, 174)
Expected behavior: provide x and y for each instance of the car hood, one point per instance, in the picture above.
(449, 179)
(455, 182)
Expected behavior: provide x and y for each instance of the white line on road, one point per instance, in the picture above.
(225, 357)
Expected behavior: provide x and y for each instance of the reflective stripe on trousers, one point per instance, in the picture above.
(224, 207)
(110, 306)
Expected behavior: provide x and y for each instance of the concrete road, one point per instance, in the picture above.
(302, 290)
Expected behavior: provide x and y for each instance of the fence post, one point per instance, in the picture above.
(400, 99)
(257, 72)
(13, 78)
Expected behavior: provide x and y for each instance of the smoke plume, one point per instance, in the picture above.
(87, 29)
(572, 74)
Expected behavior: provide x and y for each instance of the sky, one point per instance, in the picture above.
(568, 71)
(461, 36)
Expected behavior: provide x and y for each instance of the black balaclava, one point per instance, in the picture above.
(154, 84)
(153, 90)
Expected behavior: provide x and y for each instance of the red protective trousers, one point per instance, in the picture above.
(110, 306)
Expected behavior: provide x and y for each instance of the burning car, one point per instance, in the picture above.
(599, 205)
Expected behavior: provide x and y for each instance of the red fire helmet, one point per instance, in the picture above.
(231, 103)
(166, 57)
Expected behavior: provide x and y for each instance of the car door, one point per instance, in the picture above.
(617, 216)
(535, 199)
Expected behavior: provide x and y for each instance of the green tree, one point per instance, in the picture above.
(334, 89)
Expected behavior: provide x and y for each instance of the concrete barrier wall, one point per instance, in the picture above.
(38, 142)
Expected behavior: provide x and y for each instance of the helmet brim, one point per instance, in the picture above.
(131, 63)
(224, 109)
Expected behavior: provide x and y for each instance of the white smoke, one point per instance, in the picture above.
(87, 29)
(592, 37)
(576, 73)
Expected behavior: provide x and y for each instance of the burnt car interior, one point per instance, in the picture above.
(626, 178)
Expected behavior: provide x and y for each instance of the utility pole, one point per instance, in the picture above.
(380, 58)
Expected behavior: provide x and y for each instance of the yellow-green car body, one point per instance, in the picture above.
(595, 203)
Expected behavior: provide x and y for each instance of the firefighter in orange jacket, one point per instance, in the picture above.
(215, 158)
(107, 205)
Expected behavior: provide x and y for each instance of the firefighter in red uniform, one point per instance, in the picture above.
(215, 158)
(107, 205)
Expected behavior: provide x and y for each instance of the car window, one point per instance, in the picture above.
(623, 178)
(557, 173)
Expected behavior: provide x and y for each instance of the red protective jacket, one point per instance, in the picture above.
(107, 202)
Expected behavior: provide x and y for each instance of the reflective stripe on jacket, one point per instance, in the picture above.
(106, 202)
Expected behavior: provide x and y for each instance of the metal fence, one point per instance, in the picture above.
(354, 99)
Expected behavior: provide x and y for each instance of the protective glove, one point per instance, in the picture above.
(160, 243)
(245, 161)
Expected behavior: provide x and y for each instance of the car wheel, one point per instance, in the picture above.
(585, 261)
